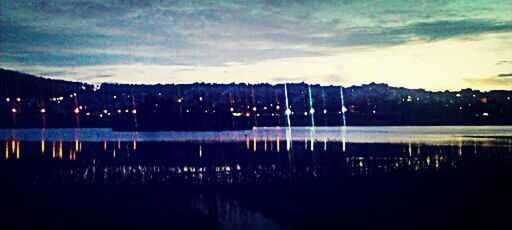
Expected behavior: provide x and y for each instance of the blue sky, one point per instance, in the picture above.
(420, 44)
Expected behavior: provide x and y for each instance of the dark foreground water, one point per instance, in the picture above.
(256, 183)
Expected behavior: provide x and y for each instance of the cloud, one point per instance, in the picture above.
(78, 33)
(505, 75)
(233, 40)
(499, 82)
(503, 62)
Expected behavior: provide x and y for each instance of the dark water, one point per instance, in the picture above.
(255, 184)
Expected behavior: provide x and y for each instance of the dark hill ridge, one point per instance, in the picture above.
(30, 101)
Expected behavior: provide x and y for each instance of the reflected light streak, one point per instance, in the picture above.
(53, 149)
(278, 144)
(17, 149)
(42, 146)
(265, 143)
(6, 150)
(60, 149)
(13, 146)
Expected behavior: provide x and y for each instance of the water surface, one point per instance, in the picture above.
(403, 177)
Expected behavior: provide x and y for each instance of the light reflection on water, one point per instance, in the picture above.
(252, 161)
(304, 173)
(390, 134)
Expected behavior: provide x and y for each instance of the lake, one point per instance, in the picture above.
(265, 178)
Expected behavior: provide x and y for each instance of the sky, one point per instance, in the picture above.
(436, 44)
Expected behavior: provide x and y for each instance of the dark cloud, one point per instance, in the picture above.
(505, 75)
(503, 62)
(501, 82)
(81, 33)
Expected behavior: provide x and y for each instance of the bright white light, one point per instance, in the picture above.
(288, 112)
(312, 111)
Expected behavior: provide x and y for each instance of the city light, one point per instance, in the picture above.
(76, 110)
(7, 99)
(18, 99)
(134, 111)
(288, 112)
(13, 110)
(43, 110)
